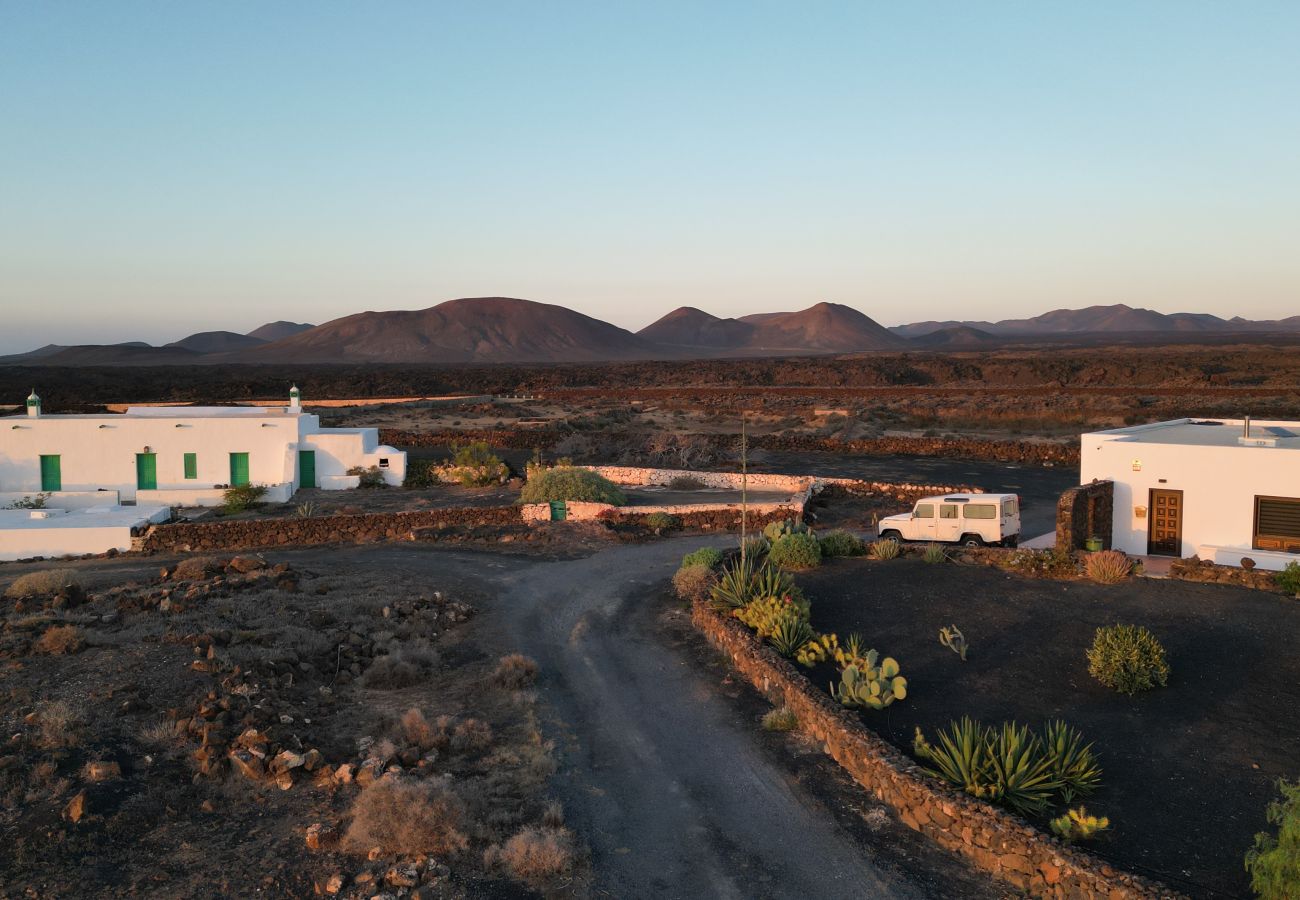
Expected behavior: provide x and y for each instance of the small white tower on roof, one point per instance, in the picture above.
(295, 398)
(33, 404)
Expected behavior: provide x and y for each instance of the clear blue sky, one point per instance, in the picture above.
(169, 167)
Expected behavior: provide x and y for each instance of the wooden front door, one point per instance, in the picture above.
(1165, 533)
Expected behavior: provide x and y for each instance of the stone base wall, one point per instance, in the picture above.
(1207, 572)
(757, 481)
(203, 537)
(991, 839)
(1083, 512)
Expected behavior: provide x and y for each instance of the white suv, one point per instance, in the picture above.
(970, 519)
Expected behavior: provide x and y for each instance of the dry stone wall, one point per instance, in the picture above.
(1205, 571)
(993, 840)
(203, 537)
(1083, 512)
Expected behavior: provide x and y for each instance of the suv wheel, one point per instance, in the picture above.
(972, 540)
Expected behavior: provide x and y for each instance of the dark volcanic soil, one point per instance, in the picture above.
(1189, 768)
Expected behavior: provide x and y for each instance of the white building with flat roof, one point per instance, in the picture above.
(183, 455)
(1220, 489)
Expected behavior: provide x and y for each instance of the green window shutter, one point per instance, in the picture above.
(51, 473)
(191, 465)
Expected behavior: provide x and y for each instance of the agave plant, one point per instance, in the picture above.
(1021, 771)
(960, 758)
(733, 588)
(886, 548)
(1073, 762)
(934, 553)
(1107, 566)
(791, 636)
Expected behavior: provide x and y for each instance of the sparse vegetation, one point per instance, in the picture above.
(885, 549)
(694, 582)
(43, 583)
(571, 483)
(306, 509)
(536, 855)
(1288, 579)
(841, 543)
(241, 497)
(400, 669)
(58, 725)
(475, 465)
(1128, 659)
(1274, 861)
(782, 718)
(406, 818)
(661, 521)
(61, 639)
(369, 478)
(1107, 566)
(796, 551)
(515, 672)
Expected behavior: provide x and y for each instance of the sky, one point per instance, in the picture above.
(172, 167)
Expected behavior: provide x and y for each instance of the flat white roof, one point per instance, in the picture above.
(1211, 433)
(82, 517)
(176, 412)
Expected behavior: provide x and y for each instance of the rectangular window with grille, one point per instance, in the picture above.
(1277, 524)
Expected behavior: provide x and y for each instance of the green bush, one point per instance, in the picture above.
(421, 474)
(475, 465)
(1274, 861)
(795, 551)
(1128, 659)
(368, 478)
(242, 497)
(705, 556)
(1289, 578)
(661, 521)
(570, 483)
(841, 543)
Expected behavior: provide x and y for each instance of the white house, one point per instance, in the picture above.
(1220, 489)
(182, 456)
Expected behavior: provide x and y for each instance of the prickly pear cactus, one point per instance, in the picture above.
(869, 685)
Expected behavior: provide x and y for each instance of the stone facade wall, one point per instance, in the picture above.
(1204, 571)
(203, 537)
(758, 481)
(992, 839)
(1083, 512)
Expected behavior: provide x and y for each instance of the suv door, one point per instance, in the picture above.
(921, 528)
(949, 523)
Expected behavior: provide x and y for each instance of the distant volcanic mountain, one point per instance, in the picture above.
(217, 342)
(275, 331)
(479, 329)
(1118, 319)
(822, 328)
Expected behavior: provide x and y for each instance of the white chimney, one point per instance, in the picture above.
(295, 398)
(33, 404)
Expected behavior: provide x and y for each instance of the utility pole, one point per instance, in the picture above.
(744, 486)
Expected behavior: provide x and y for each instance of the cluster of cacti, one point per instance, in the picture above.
(1077, 825)
(952, 638)
(819, 649)
(1012, 765)
(870, 685)
(775, 530)
(886, 548)
(767, 615)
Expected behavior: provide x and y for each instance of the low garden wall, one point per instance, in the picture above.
(757, 481)
(1205, 571)
(235, 534)
(993, 840)
(1083, 512)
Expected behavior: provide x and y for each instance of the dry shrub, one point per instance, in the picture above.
(42, 584)
(538, 854)
(782, 718)
(59, 724)
(694, 582)
(160, 733)
(1107, 566)
(197, 568)
(406, 818)
(397, 670)
(426, 735)
(515, 671)
(470, 736)
(60, 639)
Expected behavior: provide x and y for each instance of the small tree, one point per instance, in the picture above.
(571, 483)
(1274, 861)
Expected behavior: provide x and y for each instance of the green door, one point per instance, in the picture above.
(559, 512)
(307, 468)
(51, 474)
(146, 471)
(238, 469)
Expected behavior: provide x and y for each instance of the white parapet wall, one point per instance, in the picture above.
(60, 499)
(73, 532)
(188, 497)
